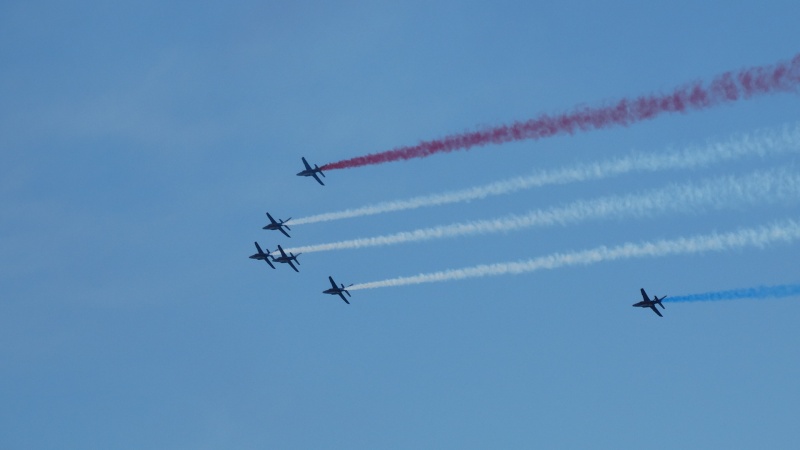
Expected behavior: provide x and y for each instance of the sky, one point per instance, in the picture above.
(141, 144)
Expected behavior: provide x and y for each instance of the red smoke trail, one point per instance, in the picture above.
(728, 87)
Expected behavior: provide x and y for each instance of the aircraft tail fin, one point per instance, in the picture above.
(658, 300)
(316, 167)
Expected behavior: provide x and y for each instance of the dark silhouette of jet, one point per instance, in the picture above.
(287, 259)
(278, 225)
(647, 303)
(309, 172)
(336, 290)
(262, 256)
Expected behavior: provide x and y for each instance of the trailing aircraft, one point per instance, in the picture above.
(262, 256)
(309, 172)
(336, 290)
(278, 225)
(647, 303)
(287, 259)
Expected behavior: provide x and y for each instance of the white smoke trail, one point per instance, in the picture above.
(786, 231)
(762, 144)
(771, 186)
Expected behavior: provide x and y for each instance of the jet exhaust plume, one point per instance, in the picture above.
(761, 187)
(762, 144)
(780, 232)
(725, 88)
(758, 292)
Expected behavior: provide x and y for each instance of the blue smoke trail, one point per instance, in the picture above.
(758, 292)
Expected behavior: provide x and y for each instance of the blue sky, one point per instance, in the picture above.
(143, 142)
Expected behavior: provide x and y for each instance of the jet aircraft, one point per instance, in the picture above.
(262, 256)
(309, 172)
(336, 290)
(279, 225)
(647, 303)
(287, 259)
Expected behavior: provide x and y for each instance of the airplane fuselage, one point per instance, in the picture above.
(647, 303)
(285, 259)
(311, 171)
(262, 256)
(337, 290)
(277, 225)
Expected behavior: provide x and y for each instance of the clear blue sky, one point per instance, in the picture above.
(142, 142)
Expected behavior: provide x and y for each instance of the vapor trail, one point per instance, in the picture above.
(762, 144)
(759, 292)
(760, 187)
(725, 88)
(781, 232)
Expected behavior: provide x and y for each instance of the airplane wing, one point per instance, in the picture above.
(653, 307)
(345, 300)
(305, 163)
(295, 269)
(332, 283)
(317, 178)
(282, 252)
(644, 295)
(269, 262)
(284, 232)
(270, 218)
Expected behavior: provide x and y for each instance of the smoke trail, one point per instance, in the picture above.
(757, 188)
(728, 87)
(759, 292)
(761, 144)
(786, 231)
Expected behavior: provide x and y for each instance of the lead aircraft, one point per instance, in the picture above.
(647, 303)
(279, 225)
(336, 290)
(309, 172)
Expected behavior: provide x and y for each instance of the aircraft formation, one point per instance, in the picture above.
(290, 258)
(745, 83)
(340, 289)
